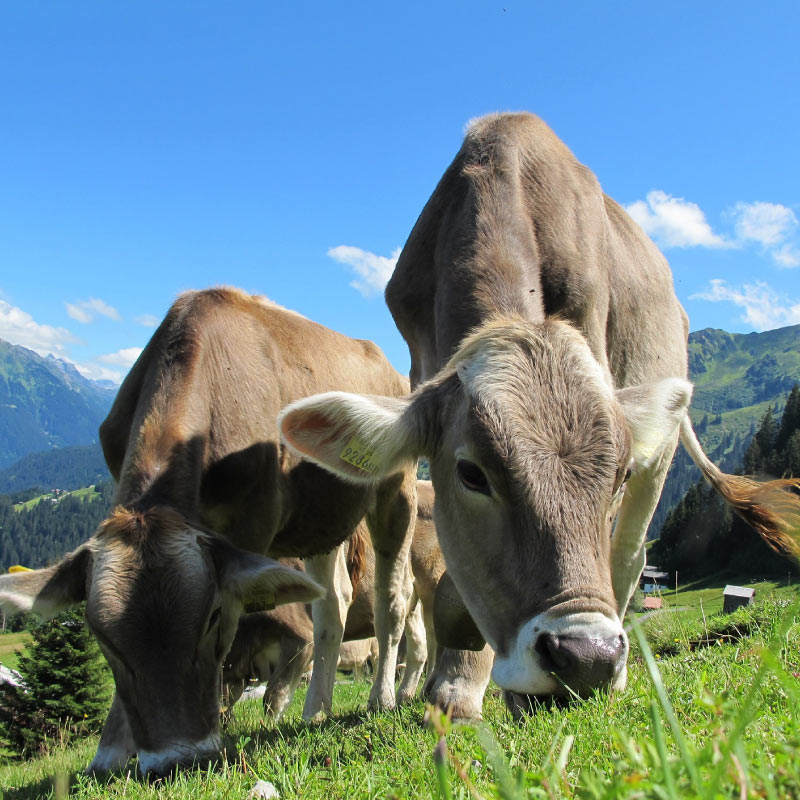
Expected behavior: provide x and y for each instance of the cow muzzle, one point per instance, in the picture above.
(157, 764)
(582, 663)
(568, 656)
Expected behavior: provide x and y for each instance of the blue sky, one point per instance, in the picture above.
(287, 148)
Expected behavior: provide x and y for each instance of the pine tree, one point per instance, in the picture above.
(790, 421)
(66, 686)
(791, 454)
(766, 433)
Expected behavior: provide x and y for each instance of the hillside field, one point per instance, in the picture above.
(10, 645)
(716, 721)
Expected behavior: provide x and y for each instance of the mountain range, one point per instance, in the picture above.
(46, 406)
(737, 377)
(46, 403)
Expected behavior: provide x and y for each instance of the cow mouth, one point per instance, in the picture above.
(521, 704)
(169, 761)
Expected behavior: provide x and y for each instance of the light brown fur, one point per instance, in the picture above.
(203, 488)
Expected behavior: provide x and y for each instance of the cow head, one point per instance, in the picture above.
(163, 598)
(529, 449)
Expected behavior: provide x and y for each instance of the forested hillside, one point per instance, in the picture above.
(46, 403)
(66, 468)
(737, 378)
(701, 535)
(37, 534)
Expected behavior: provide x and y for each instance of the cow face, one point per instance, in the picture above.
(529, 450)
(163, 599)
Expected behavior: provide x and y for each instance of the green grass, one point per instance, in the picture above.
(10, 645)
(705, 594)
(728, 714)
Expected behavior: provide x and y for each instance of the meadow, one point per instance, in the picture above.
(695, 721)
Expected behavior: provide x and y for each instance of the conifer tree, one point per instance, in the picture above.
(66, 686)
(790, 421)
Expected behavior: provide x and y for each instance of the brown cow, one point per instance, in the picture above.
(546, 327)
(203, 484)
(277, 646)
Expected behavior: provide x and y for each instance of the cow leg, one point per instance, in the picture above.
(295, 656)
(416, 652)
(231, 692)
(627, 542)
(391, 526)
(329, 614)
(459, 681)
(430, 635)
(116, 745)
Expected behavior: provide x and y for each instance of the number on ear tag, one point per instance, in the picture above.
(360, 456)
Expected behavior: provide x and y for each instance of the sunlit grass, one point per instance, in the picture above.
(724, 716)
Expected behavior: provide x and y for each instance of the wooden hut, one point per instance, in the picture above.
(736, 596)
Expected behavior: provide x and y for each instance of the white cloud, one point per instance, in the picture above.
(787, 256)
(148, 320)
(373, 271)
(19, 327)
(78, 313)
(766, 223)
(124, 357)
(674, 222)
(764, 308)
(85, 310)
(771, 225)
(95, 372)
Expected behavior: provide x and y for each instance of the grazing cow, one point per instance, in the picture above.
(548, 356)
(277, 646)
(203, 485)
(355, 655)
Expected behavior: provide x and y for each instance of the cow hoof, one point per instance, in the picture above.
(315, 719)
(405, 697)
(381, 702)
(461, 705)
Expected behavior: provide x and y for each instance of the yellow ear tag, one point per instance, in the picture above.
(360, 456)
(265, 603)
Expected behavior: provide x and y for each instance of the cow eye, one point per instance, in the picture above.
(622, 479)
(472, 477)
(214, 618)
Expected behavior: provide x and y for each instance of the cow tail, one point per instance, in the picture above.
(357, 557)
(771, 508)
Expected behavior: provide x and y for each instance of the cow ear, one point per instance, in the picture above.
(653, 412)
(261, 582)
(357, 437)
(46, 592)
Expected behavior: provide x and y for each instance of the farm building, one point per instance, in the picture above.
(736, 596)
(653, 577)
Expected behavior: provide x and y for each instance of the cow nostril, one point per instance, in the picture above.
(554, 657)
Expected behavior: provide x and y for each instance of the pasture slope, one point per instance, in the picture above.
(695, 722)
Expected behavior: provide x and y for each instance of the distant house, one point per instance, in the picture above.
(652, 604)
(653, 575)
(736, 596)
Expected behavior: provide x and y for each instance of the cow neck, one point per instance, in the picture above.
(490, 266)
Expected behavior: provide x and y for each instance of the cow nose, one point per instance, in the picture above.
(582, 663)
